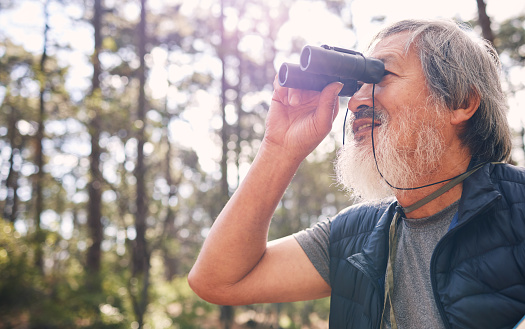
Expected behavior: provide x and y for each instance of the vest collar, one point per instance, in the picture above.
(478, 193)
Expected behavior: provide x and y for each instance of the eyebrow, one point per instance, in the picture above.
(386, 59)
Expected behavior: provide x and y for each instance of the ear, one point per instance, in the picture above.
(466, 110)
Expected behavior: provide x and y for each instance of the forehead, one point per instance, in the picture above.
(395, 50)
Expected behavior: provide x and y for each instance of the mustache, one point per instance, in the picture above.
(368, 112)
(365, 111)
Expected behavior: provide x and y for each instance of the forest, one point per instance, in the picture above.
(125, 126)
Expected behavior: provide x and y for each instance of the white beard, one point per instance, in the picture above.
(405, 155)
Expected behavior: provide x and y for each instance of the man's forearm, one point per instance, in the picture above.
(237, 239)
(235, 265)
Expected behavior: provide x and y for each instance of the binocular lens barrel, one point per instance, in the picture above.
(345, 64)
(291, 76)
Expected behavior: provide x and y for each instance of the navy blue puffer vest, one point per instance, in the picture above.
(477, 269)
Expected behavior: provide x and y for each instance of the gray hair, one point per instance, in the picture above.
(458, 67)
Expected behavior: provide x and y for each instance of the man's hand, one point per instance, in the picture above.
(299, 120)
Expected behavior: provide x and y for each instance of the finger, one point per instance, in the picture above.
(280, 93)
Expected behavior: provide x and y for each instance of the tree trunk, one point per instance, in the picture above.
(227, 312)
(94, 209)
(11, 183)
(141, 255)
(140, 170)
(484, 21)
(39, 156)
(225, 131)
(171, 261)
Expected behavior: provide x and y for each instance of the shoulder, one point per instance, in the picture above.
(510, 181)
(508, 172)
(357, 220)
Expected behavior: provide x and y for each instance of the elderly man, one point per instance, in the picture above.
(439, 239)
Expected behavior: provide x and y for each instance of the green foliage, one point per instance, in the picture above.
(17, 274)
(178, 307)
(511, 38)
(38, 299)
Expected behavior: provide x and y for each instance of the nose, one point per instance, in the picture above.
(362, 97)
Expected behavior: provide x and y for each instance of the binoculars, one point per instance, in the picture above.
(320, 66)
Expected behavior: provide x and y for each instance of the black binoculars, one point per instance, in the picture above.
(320, 66)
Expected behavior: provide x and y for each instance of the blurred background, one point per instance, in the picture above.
(125, 125)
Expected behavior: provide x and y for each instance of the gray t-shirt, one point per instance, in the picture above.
(413, 299)
(315, 242)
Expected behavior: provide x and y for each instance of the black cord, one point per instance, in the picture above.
(344, 126)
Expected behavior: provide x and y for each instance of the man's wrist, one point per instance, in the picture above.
(283, 157)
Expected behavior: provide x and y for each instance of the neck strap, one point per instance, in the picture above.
(442, 190)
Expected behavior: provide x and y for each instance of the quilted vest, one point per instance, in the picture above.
(477, 268)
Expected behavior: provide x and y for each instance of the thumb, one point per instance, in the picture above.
(329, 104)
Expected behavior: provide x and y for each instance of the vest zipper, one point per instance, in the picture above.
(375, 283)
(438, 248)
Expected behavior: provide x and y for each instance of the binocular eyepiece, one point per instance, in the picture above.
(320, 66)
